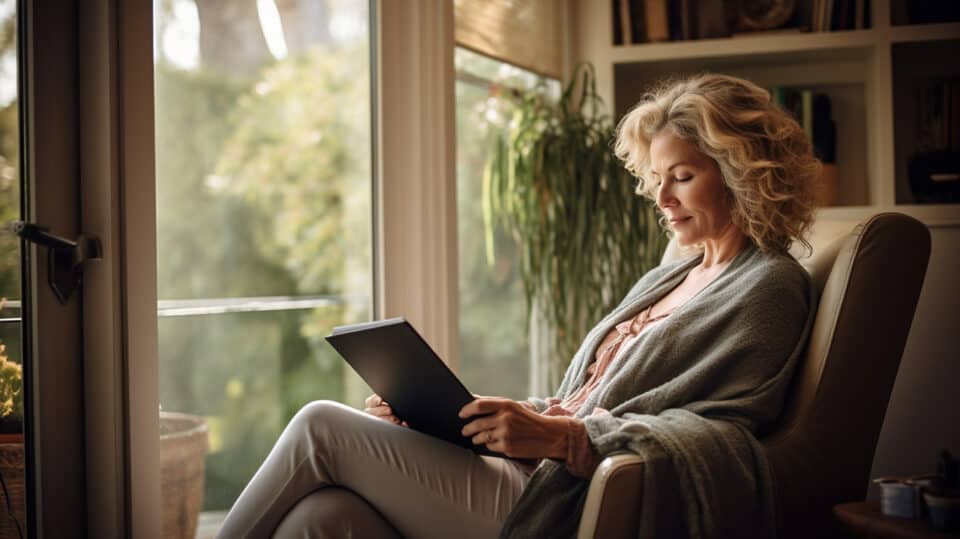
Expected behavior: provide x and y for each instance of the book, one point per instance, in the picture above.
(657, 24)
(674, 20)
(954, 116)
(778, 96)
(711, 19)
(626, 23)
(638, 18)
(824, 130)
(686, 23)
(615, 22)
(803, 18)
(399, 365)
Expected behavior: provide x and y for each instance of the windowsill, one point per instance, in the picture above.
(209, 524)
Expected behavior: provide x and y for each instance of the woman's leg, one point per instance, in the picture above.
(335, 513)
(423, 486)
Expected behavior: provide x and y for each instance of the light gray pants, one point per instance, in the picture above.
(338, 472)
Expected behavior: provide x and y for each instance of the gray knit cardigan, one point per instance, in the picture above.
(689, 395)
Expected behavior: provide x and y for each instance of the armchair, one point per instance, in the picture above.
(822, 448)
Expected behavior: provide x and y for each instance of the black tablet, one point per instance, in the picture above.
(399, 365)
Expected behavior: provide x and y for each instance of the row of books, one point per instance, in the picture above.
(833, 15)
(939, 117)
(650, 21)
(813, 112)
(933, 166)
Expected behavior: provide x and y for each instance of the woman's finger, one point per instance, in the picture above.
(483, 406)
(488, 437)
(477, 425)
(384, 410)
(373, 401)
(379, 411)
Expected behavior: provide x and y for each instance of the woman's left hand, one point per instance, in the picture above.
(508, 427)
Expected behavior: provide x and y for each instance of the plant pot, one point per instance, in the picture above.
(11, 438)
(11, 466)
(183, 452)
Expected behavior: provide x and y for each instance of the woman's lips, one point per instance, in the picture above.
(678, 220)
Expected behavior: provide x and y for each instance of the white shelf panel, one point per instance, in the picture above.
(743, 46)
(924, 32)
(933, 215)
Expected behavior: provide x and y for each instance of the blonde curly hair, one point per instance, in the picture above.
(765, 158)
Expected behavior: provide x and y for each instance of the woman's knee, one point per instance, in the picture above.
(322, 412)
(334, 512)
(318, 418)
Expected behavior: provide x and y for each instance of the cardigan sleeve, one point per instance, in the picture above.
(582, 458)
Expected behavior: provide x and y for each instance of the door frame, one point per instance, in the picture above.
(118, 201)
(53, 424)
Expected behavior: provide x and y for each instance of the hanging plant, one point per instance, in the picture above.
(584, 236)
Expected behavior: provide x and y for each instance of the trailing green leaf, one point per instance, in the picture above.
(554, 183)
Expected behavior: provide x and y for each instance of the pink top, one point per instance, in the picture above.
(581, 458)
(618, 339)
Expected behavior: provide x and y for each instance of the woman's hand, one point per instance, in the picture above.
(379, 408)
(511, 428)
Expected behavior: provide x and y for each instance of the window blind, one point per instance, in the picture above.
(525, 33)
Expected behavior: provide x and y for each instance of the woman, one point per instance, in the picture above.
(684, 371)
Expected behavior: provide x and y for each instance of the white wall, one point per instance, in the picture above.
(924, 412)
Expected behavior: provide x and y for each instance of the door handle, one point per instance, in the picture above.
(65, 258)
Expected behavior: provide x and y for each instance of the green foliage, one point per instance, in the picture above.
(584, 236)
(11, 388)
(9, 199)
(297, 153)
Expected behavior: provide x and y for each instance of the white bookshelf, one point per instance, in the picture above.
(856, 68)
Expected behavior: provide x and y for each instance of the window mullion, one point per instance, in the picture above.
(417, 227)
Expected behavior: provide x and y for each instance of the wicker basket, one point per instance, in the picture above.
(183, 451)
(11, 466)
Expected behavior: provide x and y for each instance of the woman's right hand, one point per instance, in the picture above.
(379, 408)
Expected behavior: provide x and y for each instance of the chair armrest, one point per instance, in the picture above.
(616, 489)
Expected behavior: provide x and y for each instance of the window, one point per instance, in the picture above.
(263, 152)
(493, 331)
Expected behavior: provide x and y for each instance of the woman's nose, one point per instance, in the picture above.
(664, 196)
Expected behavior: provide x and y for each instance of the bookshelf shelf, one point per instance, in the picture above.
(871, 76)
(743, 46)
(924, 32)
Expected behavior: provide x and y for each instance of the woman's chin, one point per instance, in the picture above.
(683, 240)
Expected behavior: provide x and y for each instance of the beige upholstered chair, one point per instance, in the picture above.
(822, 448)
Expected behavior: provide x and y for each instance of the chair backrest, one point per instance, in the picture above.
(822, 449)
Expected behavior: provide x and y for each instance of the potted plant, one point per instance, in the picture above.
(11, 399)
(183, 454)
(584, 236)
(11, 444)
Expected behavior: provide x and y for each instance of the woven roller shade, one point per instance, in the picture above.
(525, 33)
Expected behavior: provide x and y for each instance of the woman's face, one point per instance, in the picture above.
(690, 190)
